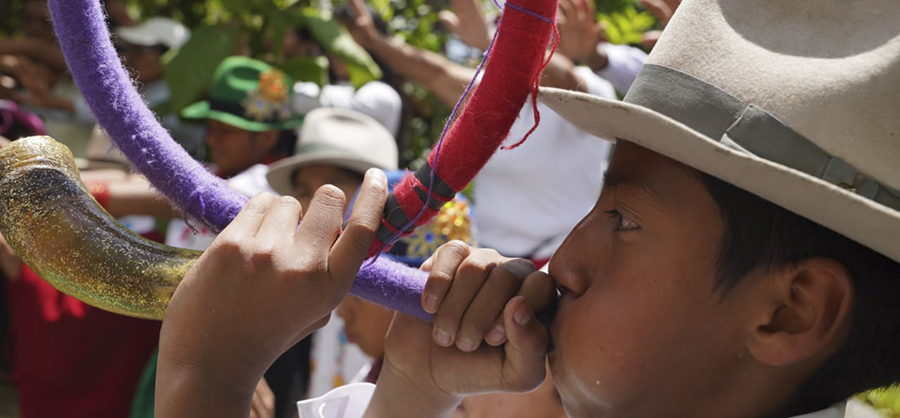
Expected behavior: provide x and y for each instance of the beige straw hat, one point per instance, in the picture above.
(796, 101)
(342, 138)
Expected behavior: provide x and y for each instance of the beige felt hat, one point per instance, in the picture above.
(796, 101)
(339, 137)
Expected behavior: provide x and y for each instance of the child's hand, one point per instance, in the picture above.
(471, 292)
(468, 288)
(263, 285)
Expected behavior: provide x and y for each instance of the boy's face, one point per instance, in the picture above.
(234, 150)
(365, 324)
(641, 331)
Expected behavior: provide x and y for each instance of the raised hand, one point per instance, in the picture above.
(468, 23)
(263, 285)
(663, 10)
(579, 31)
(361, 25)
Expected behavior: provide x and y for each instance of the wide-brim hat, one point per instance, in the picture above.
(248, 94)
(338, 137)
(796, 101)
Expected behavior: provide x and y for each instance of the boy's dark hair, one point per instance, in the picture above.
(760, 234)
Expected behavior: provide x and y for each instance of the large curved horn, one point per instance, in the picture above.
(108, 90)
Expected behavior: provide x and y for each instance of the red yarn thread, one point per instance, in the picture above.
(512, 73)
(534, 91)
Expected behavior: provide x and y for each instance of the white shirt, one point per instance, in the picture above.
(350, 401)
(624, 62)
(528, 199)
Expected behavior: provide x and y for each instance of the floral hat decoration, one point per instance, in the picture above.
(248, 94)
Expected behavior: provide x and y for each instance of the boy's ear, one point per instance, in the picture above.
(805, 314)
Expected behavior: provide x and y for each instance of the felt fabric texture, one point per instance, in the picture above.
(514, 63)
(108, 90)
(119, 108)
(482, 126)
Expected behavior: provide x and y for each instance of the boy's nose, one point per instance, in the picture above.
(569, 278)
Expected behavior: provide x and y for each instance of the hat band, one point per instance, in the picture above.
(748, 128)
(239, 110)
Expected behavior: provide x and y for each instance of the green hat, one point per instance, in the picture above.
(248, 94)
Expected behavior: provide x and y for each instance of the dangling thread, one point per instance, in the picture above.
(537, 77)
(398, 233)
(437, 152)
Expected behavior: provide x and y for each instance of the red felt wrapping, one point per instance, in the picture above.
(508, 79)
(509, 76)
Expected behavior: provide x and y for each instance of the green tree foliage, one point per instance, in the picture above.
(257, 27)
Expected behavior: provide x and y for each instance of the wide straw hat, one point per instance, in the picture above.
(795, 101)
(248, 94)
(338, 137)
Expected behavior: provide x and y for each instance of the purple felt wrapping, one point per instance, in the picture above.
(120, 110)
(108, 90)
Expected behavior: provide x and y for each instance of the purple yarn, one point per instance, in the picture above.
(107, 88)
(398, 285)
(109, 92)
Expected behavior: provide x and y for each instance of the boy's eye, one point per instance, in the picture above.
(624, 224)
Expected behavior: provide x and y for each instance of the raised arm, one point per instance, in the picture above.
(445, 78)
(468, 23)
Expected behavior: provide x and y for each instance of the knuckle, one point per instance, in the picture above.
(228, 245)
(476, 267)
(288, 202)
(261, 257)
(439, 277)
(330, 196)
(361, 234)
(455, 248)
(473, 329)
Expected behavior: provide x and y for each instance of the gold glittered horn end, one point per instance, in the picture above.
(60, 231)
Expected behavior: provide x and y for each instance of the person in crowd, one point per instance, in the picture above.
(583, 39)
(507, 193)
(33, 74)
(376, 98)
(741, 260)
(250, 122)
(334, 146)
(142, 47)
(69, 358)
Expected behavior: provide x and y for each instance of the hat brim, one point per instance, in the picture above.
(281, 173)
(869, 223)
(202, 110)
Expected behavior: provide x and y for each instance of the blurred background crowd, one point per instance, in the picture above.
(284, 96)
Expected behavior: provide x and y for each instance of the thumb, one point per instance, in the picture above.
(450, 21)
(526, 348)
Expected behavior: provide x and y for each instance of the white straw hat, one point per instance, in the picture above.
(795, 101)
(340, 137)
